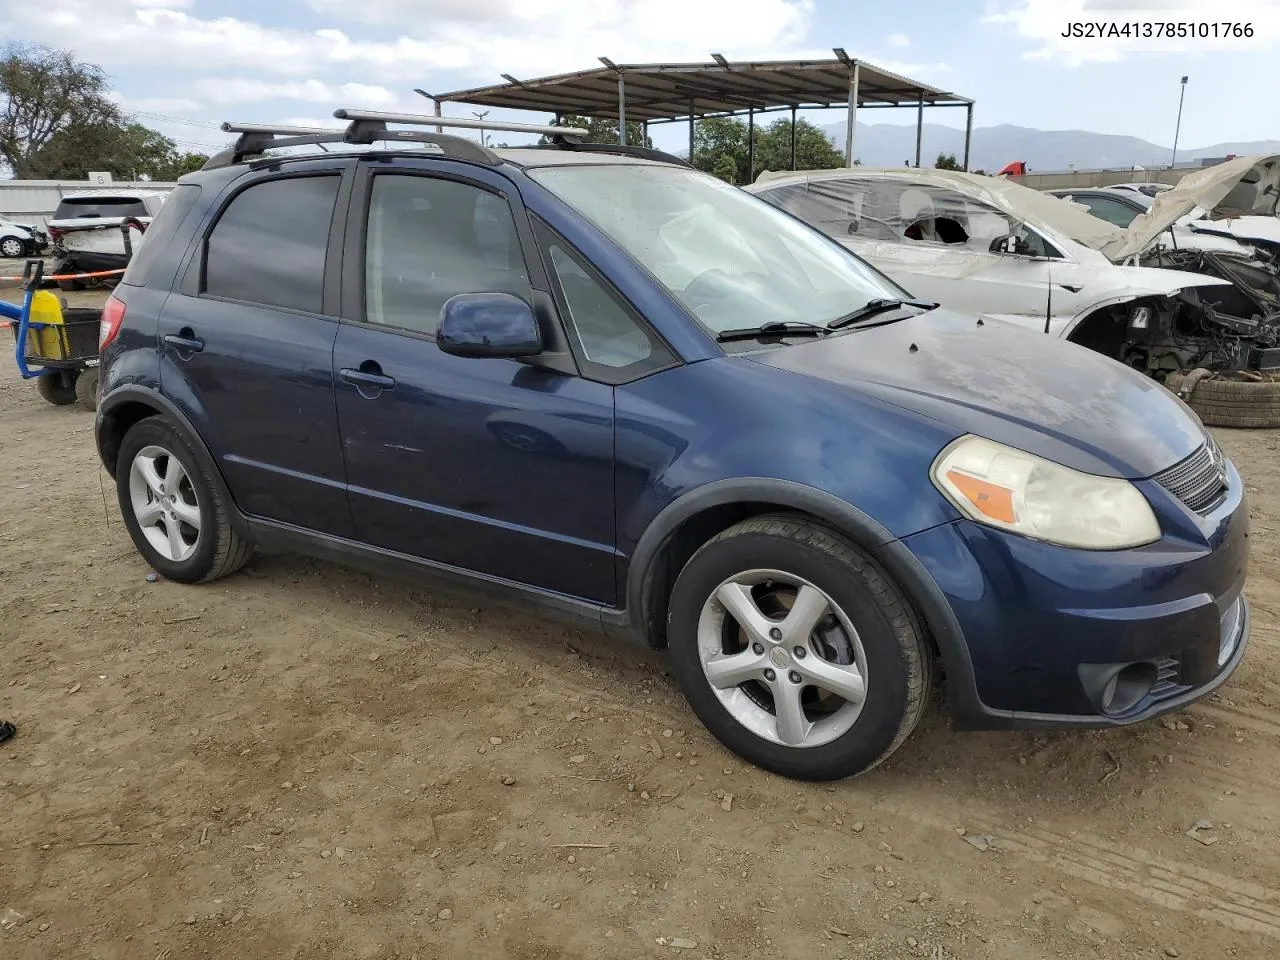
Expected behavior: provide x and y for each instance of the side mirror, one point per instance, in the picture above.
(1011, 245)
(488, 325)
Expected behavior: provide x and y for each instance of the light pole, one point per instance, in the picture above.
(480, 115)
(1178, 129)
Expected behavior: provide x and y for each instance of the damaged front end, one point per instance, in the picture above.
(1220, 328)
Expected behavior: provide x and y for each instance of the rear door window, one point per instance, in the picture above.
(270, 243)
(84, 208)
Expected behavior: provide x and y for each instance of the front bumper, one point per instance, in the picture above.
(1046, 628)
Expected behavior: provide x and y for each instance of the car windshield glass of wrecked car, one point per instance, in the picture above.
(730, 260)
(901, 211)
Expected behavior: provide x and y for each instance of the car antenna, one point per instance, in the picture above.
(1048, 305)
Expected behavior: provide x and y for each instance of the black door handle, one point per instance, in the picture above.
(185, 342)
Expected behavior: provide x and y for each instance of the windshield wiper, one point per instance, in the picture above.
(775, 329)
(873, 307)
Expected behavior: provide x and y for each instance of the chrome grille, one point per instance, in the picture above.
(1199, 481)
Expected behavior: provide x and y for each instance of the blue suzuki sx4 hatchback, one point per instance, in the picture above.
(598, 382)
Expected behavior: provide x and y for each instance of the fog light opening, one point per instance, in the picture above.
(1127, 688)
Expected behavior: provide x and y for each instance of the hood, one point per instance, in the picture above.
(1243, 187)
(1249, 229)
(1051, 398)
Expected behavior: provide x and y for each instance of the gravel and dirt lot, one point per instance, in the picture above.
(301, 761)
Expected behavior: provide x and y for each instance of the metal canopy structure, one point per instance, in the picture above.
(670, 92)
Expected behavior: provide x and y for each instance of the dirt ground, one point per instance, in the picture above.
(301, 761)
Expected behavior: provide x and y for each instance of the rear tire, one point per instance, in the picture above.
(860, 637)
(173, 509)
(1232, 403)
(58, 388)
(87, 388)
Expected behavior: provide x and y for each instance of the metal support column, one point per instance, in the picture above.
(919, 126)
(751, 144)
(852, 120)
(622, 111)
(691, 132)
(793, 138)
(968, 133)
(437, 113)
(644, 133)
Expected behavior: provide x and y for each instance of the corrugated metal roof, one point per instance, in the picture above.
(669, 91)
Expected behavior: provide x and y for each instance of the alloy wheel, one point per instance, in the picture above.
(783, 658)
(164, 503)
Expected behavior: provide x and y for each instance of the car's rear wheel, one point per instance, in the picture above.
(796, 650)
(173, 509)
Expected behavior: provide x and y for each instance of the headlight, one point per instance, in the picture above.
(1006, 488)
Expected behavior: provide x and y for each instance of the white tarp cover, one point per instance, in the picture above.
(827, 200)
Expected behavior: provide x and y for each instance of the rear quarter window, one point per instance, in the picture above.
(160, 234)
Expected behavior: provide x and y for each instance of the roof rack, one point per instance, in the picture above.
(365, 127)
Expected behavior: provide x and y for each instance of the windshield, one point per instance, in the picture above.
(732, 260)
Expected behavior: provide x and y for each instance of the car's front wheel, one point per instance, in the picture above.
(173, 509)
(12, 247)
(796, 650)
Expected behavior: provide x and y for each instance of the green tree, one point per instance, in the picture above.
(129, 151)
(725, 168)
(718, 141)
(814, 150)
(44, 93)
(946, 161)
(603, 130)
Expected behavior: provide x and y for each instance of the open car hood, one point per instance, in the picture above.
(1243, 187)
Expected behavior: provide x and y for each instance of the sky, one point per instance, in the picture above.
(183, 66)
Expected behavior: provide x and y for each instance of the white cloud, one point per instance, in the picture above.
(899, 40)
(224, 90)
(1198, 27)
(482, 37)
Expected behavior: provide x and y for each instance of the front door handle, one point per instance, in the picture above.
(185, 342)
(368, 379)
(364, 378)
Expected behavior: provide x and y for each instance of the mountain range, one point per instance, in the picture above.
(889, 145)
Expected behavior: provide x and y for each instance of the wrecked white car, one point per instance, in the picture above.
(995, 248)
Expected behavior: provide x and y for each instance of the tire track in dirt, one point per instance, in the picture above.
(1170, 884)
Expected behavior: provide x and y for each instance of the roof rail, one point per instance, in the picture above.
(365, 127)
(423, 120)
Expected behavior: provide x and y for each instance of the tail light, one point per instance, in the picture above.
(109, 324)
(54, 233)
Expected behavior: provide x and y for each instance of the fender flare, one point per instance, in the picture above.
(133, 393)
(865, 532)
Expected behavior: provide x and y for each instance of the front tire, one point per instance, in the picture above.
(12, 247)
(173, 509)
(796, 650)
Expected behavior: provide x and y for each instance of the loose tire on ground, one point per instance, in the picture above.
(87, 388)
(896, 665)
(219, 549)
(58, 388)
(1221, 402)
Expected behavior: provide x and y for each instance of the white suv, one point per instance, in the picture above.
(85, 228)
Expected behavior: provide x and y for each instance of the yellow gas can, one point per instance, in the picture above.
(48, 342)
